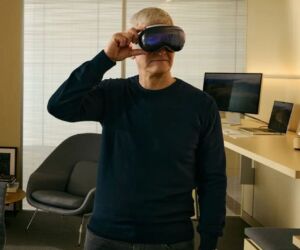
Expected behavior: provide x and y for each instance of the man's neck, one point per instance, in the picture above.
(156, 82)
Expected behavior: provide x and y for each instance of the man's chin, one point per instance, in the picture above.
(158, 71)
(159, 68)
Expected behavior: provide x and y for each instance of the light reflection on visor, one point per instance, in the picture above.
(161, 36)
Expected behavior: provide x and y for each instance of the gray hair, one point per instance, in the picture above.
(151, 16)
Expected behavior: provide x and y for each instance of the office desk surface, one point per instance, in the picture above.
(296, 240)
(274, 151)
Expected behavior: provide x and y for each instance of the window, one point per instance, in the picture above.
(60, 35)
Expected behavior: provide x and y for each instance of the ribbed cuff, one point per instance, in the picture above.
(208, 242)
(103, 62)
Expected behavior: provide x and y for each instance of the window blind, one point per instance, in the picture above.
(215, 36)
(60, 35)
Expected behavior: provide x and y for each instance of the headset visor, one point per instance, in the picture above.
(157, 37)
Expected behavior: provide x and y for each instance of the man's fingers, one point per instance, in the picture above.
(137, 52)
(121, 40)
(139, 28)
(121, 46)
(134, 34)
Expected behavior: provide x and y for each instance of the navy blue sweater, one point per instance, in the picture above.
(157, 145)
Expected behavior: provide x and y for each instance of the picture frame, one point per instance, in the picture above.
(8, 157)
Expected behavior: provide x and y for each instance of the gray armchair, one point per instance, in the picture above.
(2, 213)
(65, 182)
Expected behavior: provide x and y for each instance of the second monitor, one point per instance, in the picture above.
(234, 92)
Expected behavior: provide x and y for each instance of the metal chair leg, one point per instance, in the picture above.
(81, 227)
(80, 230)
(197, 208)
(31, 219)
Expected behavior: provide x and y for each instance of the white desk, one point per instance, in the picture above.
(296, 240)
(274, 151)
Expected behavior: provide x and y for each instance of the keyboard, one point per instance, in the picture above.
(230, 131)
(259, 131)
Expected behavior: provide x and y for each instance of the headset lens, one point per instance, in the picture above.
(154, 38)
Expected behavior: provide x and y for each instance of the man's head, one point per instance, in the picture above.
(150, 16)
(159, 62)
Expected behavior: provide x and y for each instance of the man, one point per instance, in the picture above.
(161, 138)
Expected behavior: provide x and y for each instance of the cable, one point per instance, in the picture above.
(250, 116)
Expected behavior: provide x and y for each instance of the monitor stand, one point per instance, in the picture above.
(232, 118)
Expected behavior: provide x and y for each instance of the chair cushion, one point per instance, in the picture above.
(57, 199)
(83, 178)
(273, 238)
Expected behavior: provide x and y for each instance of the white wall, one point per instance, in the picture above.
(273, 47)
(11, 74)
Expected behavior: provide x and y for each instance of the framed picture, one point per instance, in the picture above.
(8, 160)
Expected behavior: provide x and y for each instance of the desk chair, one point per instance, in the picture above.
(65, 183)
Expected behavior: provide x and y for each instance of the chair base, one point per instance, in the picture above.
(31, 219)
(80, 227)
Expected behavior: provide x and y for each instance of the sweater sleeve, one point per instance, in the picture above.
(81, 96)
(211, 180)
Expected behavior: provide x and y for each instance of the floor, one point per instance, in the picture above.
(53, 232)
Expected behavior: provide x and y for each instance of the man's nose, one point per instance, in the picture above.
(161, 51)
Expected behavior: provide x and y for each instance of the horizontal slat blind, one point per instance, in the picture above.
(215, 36)
(60, 35)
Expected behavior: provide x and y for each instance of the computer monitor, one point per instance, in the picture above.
(234, 92)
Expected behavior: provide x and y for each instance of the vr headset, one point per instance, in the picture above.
(156, 37)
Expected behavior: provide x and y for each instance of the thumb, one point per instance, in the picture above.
(137, 52)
